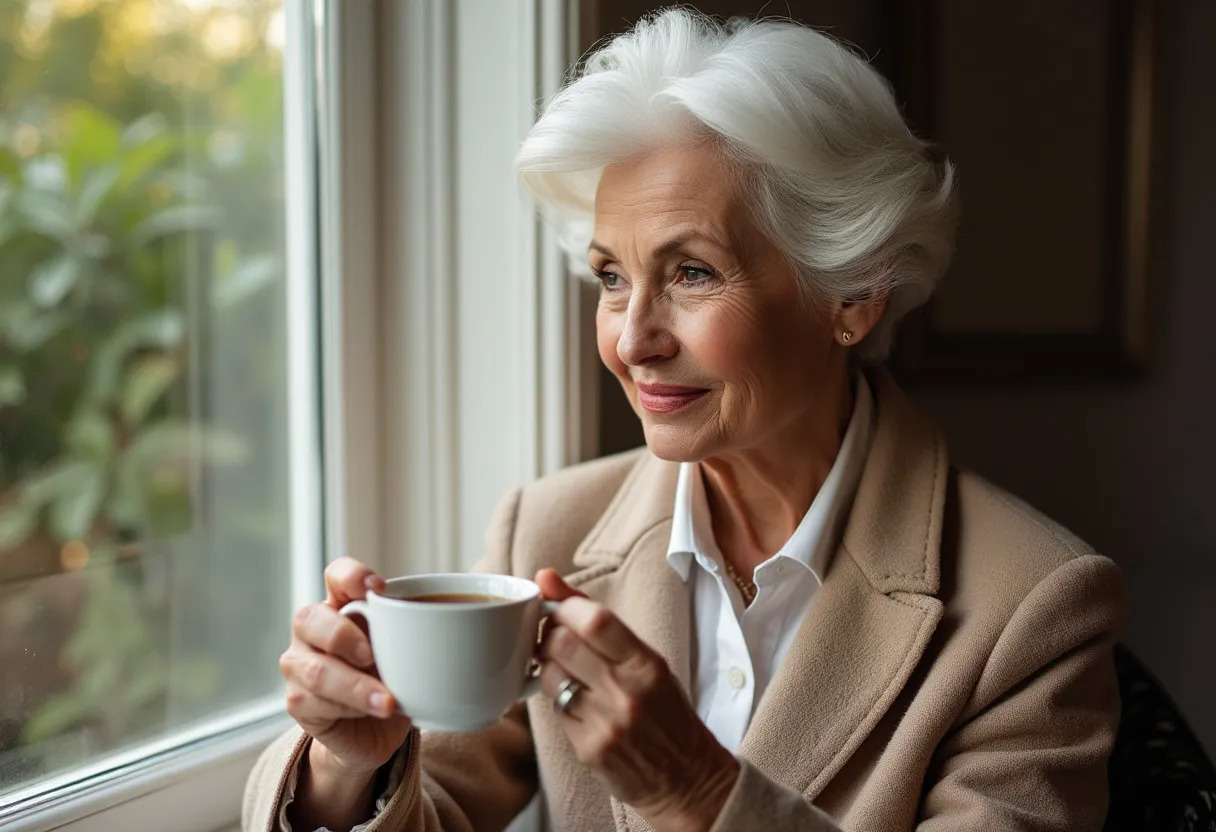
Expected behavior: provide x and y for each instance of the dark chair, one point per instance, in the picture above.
(1160, 778)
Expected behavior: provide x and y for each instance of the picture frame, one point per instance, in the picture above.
(1052, 114)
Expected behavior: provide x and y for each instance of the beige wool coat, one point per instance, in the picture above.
(954, 671)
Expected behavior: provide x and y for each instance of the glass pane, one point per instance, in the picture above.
(143, 376)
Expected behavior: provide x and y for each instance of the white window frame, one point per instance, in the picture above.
(414, 110)
(474, 287)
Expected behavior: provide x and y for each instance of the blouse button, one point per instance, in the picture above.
(735, 678)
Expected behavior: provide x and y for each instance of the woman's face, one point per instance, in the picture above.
(700, 317)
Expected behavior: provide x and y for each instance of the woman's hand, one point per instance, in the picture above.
(333, 689)
(630, 722)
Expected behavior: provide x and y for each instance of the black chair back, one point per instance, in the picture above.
(1160, 778)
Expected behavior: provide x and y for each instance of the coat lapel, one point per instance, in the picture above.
(868, 626)
(873, 616)
(623, 564)
(653, 601)
(852, 656)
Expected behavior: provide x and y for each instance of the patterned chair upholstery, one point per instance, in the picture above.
(1160, 778)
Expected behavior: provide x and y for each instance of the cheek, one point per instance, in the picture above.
(766, 356)
(607, 335)
(725, 341)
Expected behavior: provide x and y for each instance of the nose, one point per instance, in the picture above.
(645, 336)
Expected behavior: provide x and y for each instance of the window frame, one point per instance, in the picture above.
(504, 318)
(184, 771)
(392, 313)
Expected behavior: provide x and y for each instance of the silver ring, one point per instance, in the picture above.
(566, 691)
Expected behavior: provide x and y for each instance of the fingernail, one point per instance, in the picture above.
(373, 582)
(379, 703)
(364, 654)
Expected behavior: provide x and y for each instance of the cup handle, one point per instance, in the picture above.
(532, 685)
(361, 608)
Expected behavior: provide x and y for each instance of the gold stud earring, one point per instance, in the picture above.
(846, 336)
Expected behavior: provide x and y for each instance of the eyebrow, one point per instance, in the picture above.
(602, 249)
(663, 249)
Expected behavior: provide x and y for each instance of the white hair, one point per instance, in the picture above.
(836, 179)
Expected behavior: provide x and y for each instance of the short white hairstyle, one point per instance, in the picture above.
(836, 179)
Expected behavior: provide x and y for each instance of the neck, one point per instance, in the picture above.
(758, 496)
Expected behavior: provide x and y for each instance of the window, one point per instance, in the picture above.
(210, 212)
(155, 391)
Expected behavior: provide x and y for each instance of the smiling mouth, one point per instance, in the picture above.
(667, 398)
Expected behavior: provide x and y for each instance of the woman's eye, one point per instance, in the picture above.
(695, 274)
(609, 280)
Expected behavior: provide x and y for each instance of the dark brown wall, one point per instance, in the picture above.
(1130, 466)
(852, 21)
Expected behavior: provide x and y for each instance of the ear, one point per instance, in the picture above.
(858, 317)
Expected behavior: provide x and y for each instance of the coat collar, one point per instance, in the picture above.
(867, 629)
(894, 532)
(894, 529)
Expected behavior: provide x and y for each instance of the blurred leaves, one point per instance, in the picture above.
(123, 235)
(55, 480)
(146, 382)
(51, 281)
(73, 511)
(97, 186)
(158, 329)
(113, 651)
(12, 386)
(245, 279)
(10, 165)
(92, 139)
(179, 219)
(89, 436)
(27, 328)
(17, 522)
(168, 441)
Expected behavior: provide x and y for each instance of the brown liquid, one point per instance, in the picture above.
(458, 598)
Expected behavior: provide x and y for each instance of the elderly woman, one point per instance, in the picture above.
(788, 611)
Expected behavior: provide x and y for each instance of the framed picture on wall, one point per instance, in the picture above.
(1051, 113)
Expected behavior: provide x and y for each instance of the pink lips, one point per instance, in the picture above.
(667, 398)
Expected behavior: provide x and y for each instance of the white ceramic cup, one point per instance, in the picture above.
(455, 666)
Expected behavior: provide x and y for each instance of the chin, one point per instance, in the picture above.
(675, 444)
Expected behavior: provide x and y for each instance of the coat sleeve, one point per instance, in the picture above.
(759, 804)
(1030, 752)
(465, 782)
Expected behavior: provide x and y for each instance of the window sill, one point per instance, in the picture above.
(192, 782)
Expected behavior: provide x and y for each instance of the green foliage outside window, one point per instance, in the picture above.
(140, 201)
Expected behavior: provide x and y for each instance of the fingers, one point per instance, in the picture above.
(347, 579)
(551, 677)
(328, 678)
(554, 588)
(564, 647)
(327, 630)
(306, 709)
(599, 628)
